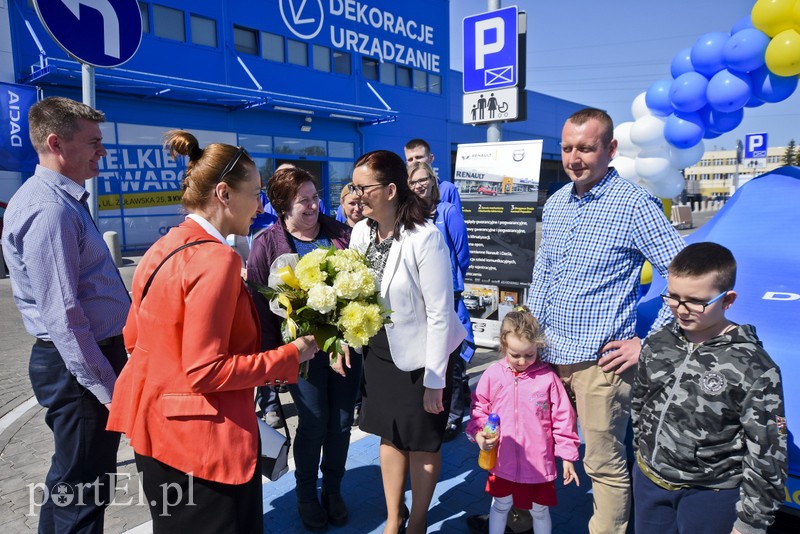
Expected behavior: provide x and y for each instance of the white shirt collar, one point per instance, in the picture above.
(208, 227)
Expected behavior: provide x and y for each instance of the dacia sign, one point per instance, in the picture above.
(490, 50)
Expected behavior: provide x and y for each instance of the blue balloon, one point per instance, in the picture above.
(657, 98)
(711, 134)
(754, 101)
(688, 92)
(707, 53)
(744, 52)
(681, 63)
(729, 90)
(770, 87)
(720, 122)
(684, 130)
(741, 24)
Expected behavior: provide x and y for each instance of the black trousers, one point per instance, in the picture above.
(78, 482)
(182, 503)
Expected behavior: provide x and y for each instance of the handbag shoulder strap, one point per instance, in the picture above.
(283, 418)
(187, 245)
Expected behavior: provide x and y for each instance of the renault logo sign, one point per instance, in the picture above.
(303, 17)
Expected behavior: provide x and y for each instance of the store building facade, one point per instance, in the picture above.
(315, 85)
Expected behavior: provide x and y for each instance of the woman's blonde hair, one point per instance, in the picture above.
(521, 323)
(417, 165)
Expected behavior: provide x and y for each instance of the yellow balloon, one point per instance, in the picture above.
(773, 16)
(647, 274)
(783, 54)
(796, 16)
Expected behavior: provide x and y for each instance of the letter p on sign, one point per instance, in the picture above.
(485, 47)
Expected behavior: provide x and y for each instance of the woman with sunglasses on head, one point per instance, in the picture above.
(325, 400)
(407, 364)
(185, 398)
(450, 222)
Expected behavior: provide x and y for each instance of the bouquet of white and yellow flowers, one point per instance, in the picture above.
(328, 293)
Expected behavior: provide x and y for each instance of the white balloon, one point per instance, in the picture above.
(626, 167)
(686, 157)
(625, 147)
(639, 107)
(648, 131)
(669, 187)
(652, 166)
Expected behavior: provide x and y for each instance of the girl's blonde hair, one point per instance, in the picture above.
(521, 322)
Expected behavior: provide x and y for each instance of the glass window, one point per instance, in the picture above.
(338, 177)
(245, 40)
(145, 17)
(265, 168)
(169, 23)
(341, 63)
(386, 73)
(298, 53)
(434, 84)
(403, 76)
(322, 58)
(303, 147)
(256, 144)
(337, 149)
(272, 47)
(420, 81)
(204, 31)
(369, 68)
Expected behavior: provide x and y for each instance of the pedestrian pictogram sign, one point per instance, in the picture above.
(491, 106)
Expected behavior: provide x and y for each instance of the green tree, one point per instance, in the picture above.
(790, 156)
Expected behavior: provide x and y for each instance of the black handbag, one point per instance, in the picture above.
(274, 445)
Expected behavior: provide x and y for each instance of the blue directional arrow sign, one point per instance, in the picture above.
(103, 33)
(490, 50)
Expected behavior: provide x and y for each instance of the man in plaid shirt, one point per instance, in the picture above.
(596, 234)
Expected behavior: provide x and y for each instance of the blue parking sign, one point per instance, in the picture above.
(490, 50)
(755, 146)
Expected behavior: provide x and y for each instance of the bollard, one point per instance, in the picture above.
(112, 242)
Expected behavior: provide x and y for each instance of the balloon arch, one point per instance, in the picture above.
(712, 83)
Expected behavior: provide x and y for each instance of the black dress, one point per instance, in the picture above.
(391, 398)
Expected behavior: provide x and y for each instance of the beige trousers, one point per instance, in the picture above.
(603, 403)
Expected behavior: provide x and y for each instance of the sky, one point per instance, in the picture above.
(604, 53)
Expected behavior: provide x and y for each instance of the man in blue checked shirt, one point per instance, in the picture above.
(596, 235)
(74, 303)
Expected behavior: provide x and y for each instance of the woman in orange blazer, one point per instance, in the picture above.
(185, 398)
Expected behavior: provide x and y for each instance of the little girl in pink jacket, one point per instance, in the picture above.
(537, 423)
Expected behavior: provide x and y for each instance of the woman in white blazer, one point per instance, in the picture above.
(406, 366)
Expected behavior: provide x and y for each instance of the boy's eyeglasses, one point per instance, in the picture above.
(359, 190)
(692, 306)
(232, 163)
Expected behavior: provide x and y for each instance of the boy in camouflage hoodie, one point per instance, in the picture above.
(709, 428)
